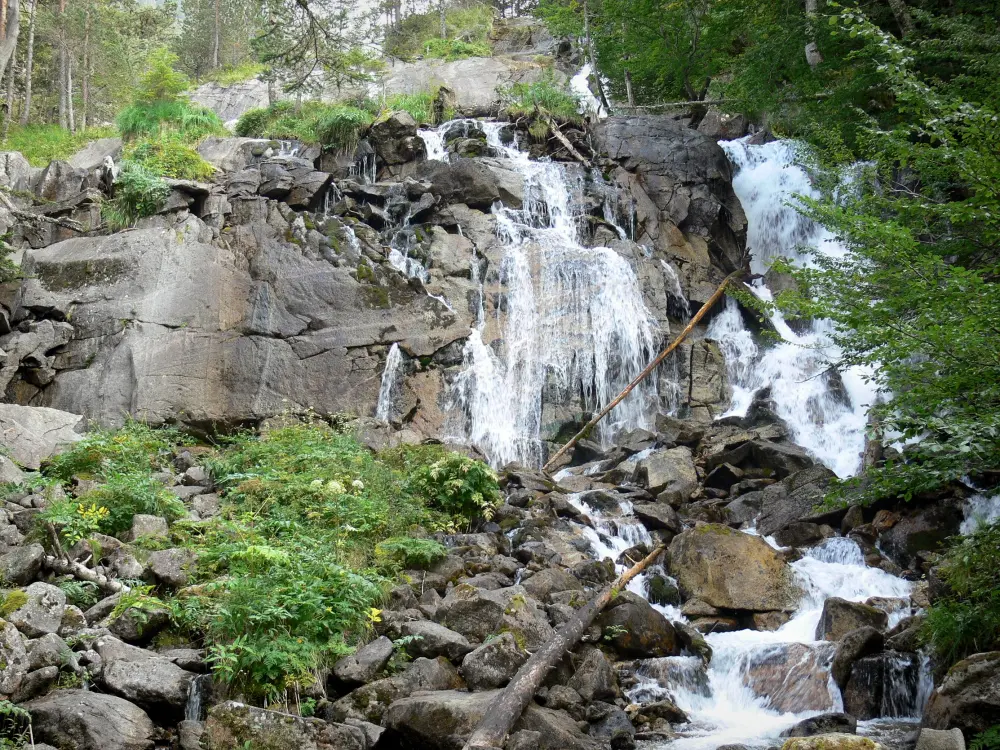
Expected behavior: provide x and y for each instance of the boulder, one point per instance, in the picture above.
(42, 612)
(549, 581)
(14, 660)
(471, 611)
(493, 664)
(657, 516)
(855, 645)
(48, 651)
(839, 723)
(594, 678)
(233, 724)
(171, 566)
(85, 720)
(670, 471)
(15, 171)
(395, 139)
(36, 683)
(368, 702)
(92, 156)
(9, 473)
(840, 617)
(364, 664)
(635, 630)
(968, 696)
(702, 560)
(20, 565)
(460, 181)
(611, 724)
(940, 739)
(431, 640)
(442, 719)
(153, 682)
(832, 741)
(921, 530)
(792, 677)
(886, 684)
(795, 498)
(144, 525)
(30, 434)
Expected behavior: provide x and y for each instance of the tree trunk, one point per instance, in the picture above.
(216, 37)
(9, 104)
(8, 43)
(444, 26)
(903, 17)
(85, 82)
(813, 56)
(29, 65)
(69, 93)
(628, 89)
(504, 712)
(63, 121)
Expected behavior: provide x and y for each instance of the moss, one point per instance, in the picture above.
(378, 297)
(715, 528)
(516, 604)
(365, 272)
(519, 639)
(12, 602)
(76, 274)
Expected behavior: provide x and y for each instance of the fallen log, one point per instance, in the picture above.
(645, 373)
(507, 708)
(78, 570)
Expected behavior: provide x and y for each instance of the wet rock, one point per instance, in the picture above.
(671, 471)
(635, 630)
(906, 636)
(42, 612)
(765, 582)
(795, 498)
(233, 724)
(883, 685)
(832, 741)
(662, 590)
(658, 516)
(612, 724)
(940, 739)
(395, 139)
(792, 677)
(823, 724)
(855, 645)
(493, 664)
(921, 530)
(594, 678)
(968, 697)
(840, 617)
(85, 720)
(20, 565)
(364, 664)
(368, 702)
(666, 710)
(799, 534)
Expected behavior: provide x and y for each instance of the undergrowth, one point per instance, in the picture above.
(530, 100)
(314, 529)
(152, 119)
(336, 126)
(967, 620)
(41, 144)
(229, 75)
(139, 192)
(468, 30)
(170, 156)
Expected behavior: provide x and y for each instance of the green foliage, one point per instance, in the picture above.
(336, 126)
(82, 594)
(540, 98)
(134, 448)
(75, 521)
(455, 49)
(14, 726)
(180, 117)
(170, 157)
(967, 621)
(410, 552)
(460, 486)
(231, 75)
(988, 740)
(41, 144)
(420, 105)
(138, 193)
(12, 602)
(161, 82)
(468, 31)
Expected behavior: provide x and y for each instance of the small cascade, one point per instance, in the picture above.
(826, 411)
(391, 382)
(590, 105)
(289, 148)
(980, 509)
(434, 141)
(678, 305)
(573, 322)
(194, 708)
(400, 259)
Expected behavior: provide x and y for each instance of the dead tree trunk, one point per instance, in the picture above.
(649, 368)
(10, 28)
(504, 712)
(29, 65)
(813, 56)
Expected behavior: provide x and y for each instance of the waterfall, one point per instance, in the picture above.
(434, 141)
(980, 509)
(389, 389)
(572, 321)
(196, 698)
(826, 411)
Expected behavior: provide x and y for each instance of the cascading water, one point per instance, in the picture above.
(572, 321)
(825, 411)
(389, 388)
(981, 509)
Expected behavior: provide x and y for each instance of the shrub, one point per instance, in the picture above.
(229, 75)
(41, 144)
(133, 448)
(468, 30)
(459, 485)
(967, 621)
(336, 126)
(170, 157)
(160, 82)
(455, 49)
(541, 97)
(138, 193)
(409, 552)
(151, 119)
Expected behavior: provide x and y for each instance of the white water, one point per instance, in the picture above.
(589, 104)
(572, 321)
(389, 389)
(980, 509)
(826, 420)
(434, 141)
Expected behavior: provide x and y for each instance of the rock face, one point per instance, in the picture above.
(30, 435)
(85, 720)
(968, 697)
(704, 560)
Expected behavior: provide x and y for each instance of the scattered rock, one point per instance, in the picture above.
(42, 612)
(171, 566)
(837, 723)
(834, 741)
(85, 720)
(857, 644)
(14, 659)
(840, 617)
(968, 697)
(635, 630)
(148, 526)
(940, 739)
(493, 664)
(20, 565)
(594, 678)
(233, 724)
(364, 664)
(670, 471)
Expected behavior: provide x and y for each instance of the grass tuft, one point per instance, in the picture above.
(41, 144)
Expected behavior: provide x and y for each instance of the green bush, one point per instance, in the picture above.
(967, 621)
(41, 144)
(161, 82)
(410, 552)
(468, 30)
(541, 97)
(153, 119)
(988, 740)
(136, 447)
(138, 193)
(170, 157)
(336, 126)
(459, 486)
(229, 75)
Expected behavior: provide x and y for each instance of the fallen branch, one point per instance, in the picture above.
(554, 128)
(507, 708)
(31, 216)
(649, 368)
(77, 570)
